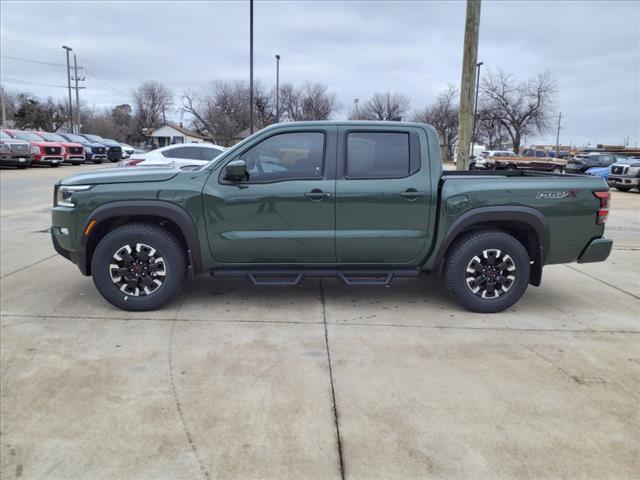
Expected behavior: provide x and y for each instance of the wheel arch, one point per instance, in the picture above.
(168, 215)
(526, 224)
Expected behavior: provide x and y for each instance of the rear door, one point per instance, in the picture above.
(382, 195)
(285, 211)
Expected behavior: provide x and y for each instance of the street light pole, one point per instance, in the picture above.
(251, 66)
(475, 105)
(68, 49)
(277, 88)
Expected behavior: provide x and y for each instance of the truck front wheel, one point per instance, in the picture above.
(487, 271)
(138, 266)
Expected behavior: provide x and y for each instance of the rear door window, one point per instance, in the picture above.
(379, 155)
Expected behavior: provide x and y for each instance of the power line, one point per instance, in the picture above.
(23, 82)
(33, 61)
(105, 87)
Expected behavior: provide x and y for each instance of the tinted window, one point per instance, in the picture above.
(286, 156)
(377, 155)
(540, 154)
(191, 153)
(210, 153)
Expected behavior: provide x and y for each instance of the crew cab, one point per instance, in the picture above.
(93, 151)
(14, 153)
(72, 152)
(113, 148)
(44, 153)
(625, 174)
(365, 202)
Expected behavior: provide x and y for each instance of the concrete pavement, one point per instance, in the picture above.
(317, 381)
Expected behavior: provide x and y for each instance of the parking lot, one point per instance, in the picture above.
(318, 381)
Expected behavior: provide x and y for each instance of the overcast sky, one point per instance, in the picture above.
(591, 48)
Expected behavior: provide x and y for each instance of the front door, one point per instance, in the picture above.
(284, 212)
(383, 196)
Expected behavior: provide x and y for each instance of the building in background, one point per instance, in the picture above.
(169, 134)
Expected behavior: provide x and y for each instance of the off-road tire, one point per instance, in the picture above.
(557, 170)
(54, 165)
(167, 247)
(623, 189)
(472, 245)
(97, 162)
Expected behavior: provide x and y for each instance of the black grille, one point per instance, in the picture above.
(98, 150)
(52, 150)
(76, 150)
(20, 148)
(619, 169)
(114, 153)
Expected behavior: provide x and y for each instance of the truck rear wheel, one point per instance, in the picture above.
(487, 271)
(138, 266)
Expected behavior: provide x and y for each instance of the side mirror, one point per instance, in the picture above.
(236, 171)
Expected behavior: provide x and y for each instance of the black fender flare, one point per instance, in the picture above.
(155, 208)
(505, 215)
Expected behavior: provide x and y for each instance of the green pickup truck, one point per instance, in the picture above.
(365, 202)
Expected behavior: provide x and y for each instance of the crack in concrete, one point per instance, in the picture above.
(602, 281)
(28, 266)
(340, 324)
(333, 391)
(174, 391)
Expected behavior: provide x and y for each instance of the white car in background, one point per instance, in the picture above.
(179, 155)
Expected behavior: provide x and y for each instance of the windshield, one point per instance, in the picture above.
(93, 138)
(75, 138)
(4, 136)
(28, 136)
(52, 137)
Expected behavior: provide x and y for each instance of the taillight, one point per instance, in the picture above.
(603, 211)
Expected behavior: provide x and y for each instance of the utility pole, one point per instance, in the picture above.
(469, 59)
(77, 79)
(355, 108)
(475, 105)
(4, 112)
(558, 135)
(277, 88)
(68, 49)
(251, 66)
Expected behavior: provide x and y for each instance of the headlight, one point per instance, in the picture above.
(87, 150)
(633, 171)
(4, 147)
(65, 193)
(35, 150)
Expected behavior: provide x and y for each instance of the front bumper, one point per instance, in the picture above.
(63, 224)
(597, 251)
(13, 160)
(622, 181)
(48, 159)
(74, 158)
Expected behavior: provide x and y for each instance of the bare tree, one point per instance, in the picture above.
(311, 102)
(386, 106)
(221, 109)
(523, 108)
(443, 116)
(153, 100)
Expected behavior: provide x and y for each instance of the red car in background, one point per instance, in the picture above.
(72, 152)
(48, 153)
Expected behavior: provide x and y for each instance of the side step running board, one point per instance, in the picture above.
(295, 277)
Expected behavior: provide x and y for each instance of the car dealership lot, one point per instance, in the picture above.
(236, 381)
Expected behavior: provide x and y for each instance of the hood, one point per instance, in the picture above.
(71, 144)
(122, 175)
(45, 144)
(93, 144)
